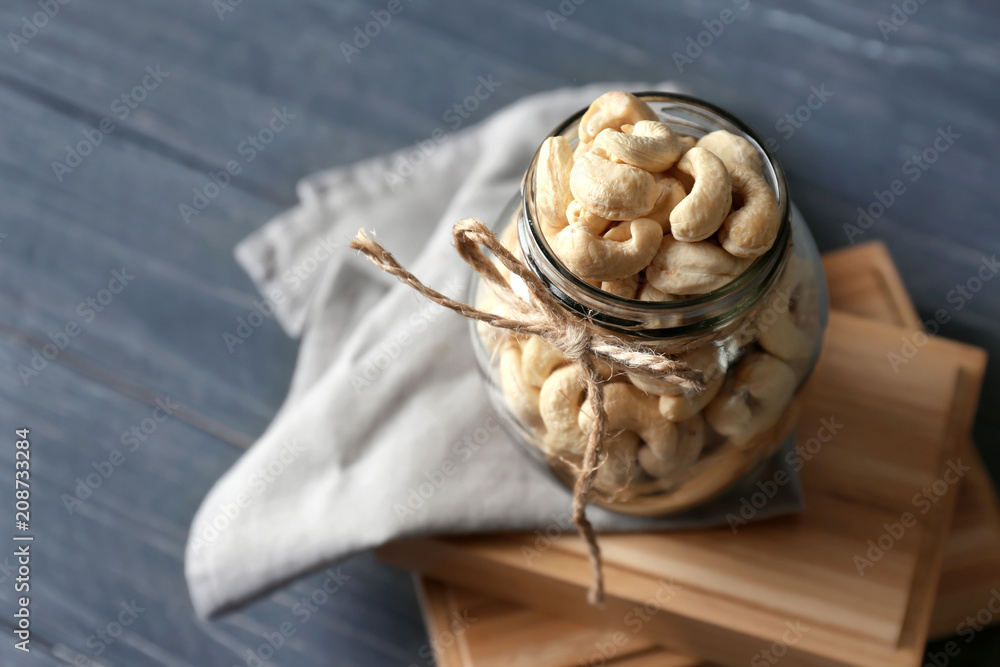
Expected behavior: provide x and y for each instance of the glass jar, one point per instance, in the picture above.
(756, 340)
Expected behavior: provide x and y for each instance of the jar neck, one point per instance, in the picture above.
(667, 319)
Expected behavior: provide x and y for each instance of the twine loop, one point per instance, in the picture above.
(542, 315)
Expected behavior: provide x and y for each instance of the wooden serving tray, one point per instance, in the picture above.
(738, 593)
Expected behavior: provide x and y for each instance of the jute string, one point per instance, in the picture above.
(541, 315)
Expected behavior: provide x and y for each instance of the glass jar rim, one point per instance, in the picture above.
(661, 319)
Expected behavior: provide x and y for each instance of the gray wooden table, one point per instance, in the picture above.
(114, 296)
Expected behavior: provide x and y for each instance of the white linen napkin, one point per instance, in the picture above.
(386, 431)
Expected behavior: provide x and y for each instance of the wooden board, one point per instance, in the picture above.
(879, 619)
(863, 281)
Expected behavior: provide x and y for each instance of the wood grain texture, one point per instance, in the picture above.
(861, 280)
(746, 586)
(125, 543)
(227, 74)
(504, 633)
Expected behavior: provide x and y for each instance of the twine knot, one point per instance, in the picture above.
(542, 315)
(576, 342)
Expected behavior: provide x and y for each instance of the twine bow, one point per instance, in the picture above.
(543, 316)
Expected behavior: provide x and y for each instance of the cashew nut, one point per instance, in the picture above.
(552, 195)
(678, 404)
(754, 400)
(625, 287)
(707, 358)
(732, 149)
(592, 257)
(648, 144)
(690, 441)
(669, 193)
(559, 405)
(613, 110)
(619, 231)
(684, 179)
(702, 211)
(680, 407)
(576, 214)
(509, 239)
(538, 360)
(650, 293)
(784, 339)
(521, 396)
(751, 229)
(778, 330)
(492, 337)
(730, 415)
(618, 468)
(692, 268)
(613, 191)
(629, 287)
(630, 409)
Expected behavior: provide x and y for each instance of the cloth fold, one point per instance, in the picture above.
(386, 431)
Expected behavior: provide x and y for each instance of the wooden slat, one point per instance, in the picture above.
(852, 274)
(164, 330)
(971, 562)
(127, 542)
(865, 616)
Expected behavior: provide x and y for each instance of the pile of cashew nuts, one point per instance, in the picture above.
(644, 213)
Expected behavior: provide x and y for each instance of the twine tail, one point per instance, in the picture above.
(595, 389)
(384, 260)
(544, 317)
